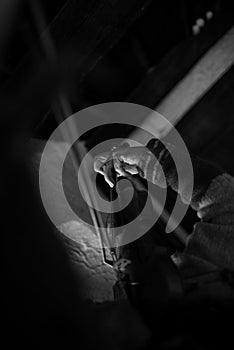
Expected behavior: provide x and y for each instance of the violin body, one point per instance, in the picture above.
(146, 274)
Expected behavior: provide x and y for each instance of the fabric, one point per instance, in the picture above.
(212, 239)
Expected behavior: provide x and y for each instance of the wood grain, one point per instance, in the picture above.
(196, 83)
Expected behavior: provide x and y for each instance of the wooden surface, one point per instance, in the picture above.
(174, 66)
(196, 83)
(160, 81)
(211, 117)
(208, 129)
(199, 80)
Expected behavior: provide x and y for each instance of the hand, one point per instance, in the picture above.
(124, 160)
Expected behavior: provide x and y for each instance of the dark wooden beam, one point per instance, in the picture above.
(162, 78)
(210, 118)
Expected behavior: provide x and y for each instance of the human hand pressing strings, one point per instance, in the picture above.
(124, 160)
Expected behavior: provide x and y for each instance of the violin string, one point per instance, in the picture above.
(62, 109)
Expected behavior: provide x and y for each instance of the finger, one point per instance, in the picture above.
(119, 167)
(131, 169)
(131, 155)
(108, 180)
(124, 145)
(109, 173)
(99, 161)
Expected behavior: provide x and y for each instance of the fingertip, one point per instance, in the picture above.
(95, 169)
(110, 183)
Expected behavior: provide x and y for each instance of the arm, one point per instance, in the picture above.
(213, 197)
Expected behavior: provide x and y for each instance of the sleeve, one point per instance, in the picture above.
(212, 238)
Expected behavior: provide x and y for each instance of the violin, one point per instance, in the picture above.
(146, 274)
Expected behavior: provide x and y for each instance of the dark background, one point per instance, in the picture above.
(107, 50)
(115, 45)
